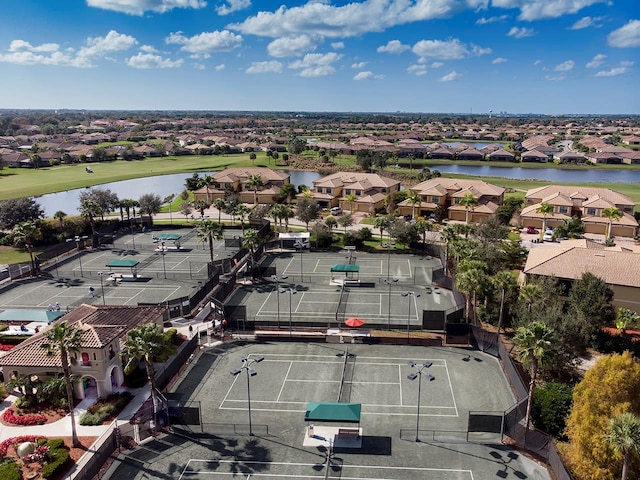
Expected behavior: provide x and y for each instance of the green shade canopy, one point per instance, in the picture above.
(333, 412)
(123, 263)
(42, 316)
(168, 236)
(345, 267)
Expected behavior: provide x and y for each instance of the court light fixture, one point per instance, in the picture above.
(419, 373)
(277, 279)
(292, 291)
(247, 362)
(409, 295)
(389, 282)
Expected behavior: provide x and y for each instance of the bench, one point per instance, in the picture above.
(348, 432)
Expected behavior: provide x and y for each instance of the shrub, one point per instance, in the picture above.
(4, 445)
(97, 413)
(9, 470)
(90, 419)
(57, 464)
(55, 443)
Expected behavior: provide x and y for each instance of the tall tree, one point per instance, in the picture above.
(89, 209)
(534, 342)
(424, 226)
(207, 181)
(624, 438)
(255, 183)
(612, 214)
(209, 230)
(414, 200)
(351, 199)
(241, 211)
(503, 281)
(545, 209)
(150, 204)
(62, 340)
(250, 241)
(570, 228)
(307, 211)
(469, 202)
(345, 220)
(609, 388)
(219, 205)
(145, 343)
(381, 223)
(25, 235)
(60, 215)
(288, 191)
(17, 210)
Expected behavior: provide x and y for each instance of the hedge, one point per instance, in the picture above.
(10, 471)
(57, 464)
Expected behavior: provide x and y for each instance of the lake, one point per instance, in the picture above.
(165, 185)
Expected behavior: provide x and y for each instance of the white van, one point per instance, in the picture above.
(336, 210)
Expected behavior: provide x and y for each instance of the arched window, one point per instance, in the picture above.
(85, 359)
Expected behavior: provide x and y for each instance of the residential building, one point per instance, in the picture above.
(97, 365)
(445, 194)
(588, 203)
(234, 180)
(370, 190)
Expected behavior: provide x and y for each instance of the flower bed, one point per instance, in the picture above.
(5, 347)
(49, 459)
(9, 416)
(5, 444)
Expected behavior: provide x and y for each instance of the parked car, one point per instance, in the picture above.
(336, 210)
(531, 230)
(548, 235)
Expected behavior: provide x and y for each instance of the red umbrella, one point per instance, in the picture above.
(354, 322)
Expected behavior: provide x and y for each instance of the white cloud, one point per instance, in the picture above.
(265, 67)
(537, 62)
(316, 64)
(596, 61)
(449, 77)
(451, 49)
(484, 21)
(498, 60)
(566, 66)
(112, 42)
(394, 47)
(586, 22)
(358, 65)
(614, 72)
(437, 64)
(367, 76)
(220, 67)
(148, 60)
(320, 17)
(292, 46)
(232, 6)
(28, 57)
(417, 70)
(139, 7)
(18, 45)
(205, 43)
(523, 32)
(556, 78)
(148, 49)
(538, 9)
(625, 36)
(337, 45)
(199, 66)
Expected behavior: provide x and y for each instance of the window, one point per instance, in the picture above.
(347, 191)
(591, 211)
(358, 192)
(111, 352)
(384, 190)
(327, 190)
(85, 359)
(563, 209)
(435, 199)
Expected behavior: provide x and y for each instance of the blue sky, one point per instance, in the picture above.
(457, 56)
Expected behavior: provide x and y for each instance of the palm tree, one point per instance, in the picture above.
(469, 201)
(465, 283)
(144, 343)
(25, 234)
(209, 230)
(613, 215)
(424, 226)
(287, 213)
(252, 157)
(288, 190)
(251, 240)
(381, 223)
(350, 199)
(504, 281)
(529, 293)
(570, 228)
(255, 183)
(63, 339)
(448, 234)
(275, 212)
(59, 215)
(90, 210)
(624, 438)
(545, 209)
(242, 211)
(207, 181)
(220, 205)
(414, 200)
(534, 342)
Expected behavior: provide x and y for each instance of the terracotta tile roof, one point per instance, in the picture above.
(587, 192)
(615, 268)
(453, 185)
(100, 326)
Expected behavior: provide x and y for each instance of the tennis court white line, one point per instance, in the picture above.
(285, 381)
(299, 464)
(403, 361)
(412, 413)
(453, 397)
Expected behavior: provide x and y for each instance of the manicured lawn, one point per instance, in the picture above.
(9, 255)
(21, 182)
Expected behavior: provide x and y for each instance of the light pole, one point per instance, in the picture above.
(246, 366)
(389, 283)
(292, 291)
(100, 274)
(78, 239)
(300, 244)
(163, 251)
(389, 246)
(409, 295)
(277, 279)
(418, 374)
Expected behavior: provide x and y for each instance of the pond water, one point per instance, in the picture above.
(161, 185)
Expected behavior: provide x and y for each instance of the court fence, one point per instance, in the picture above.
(532, 439)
